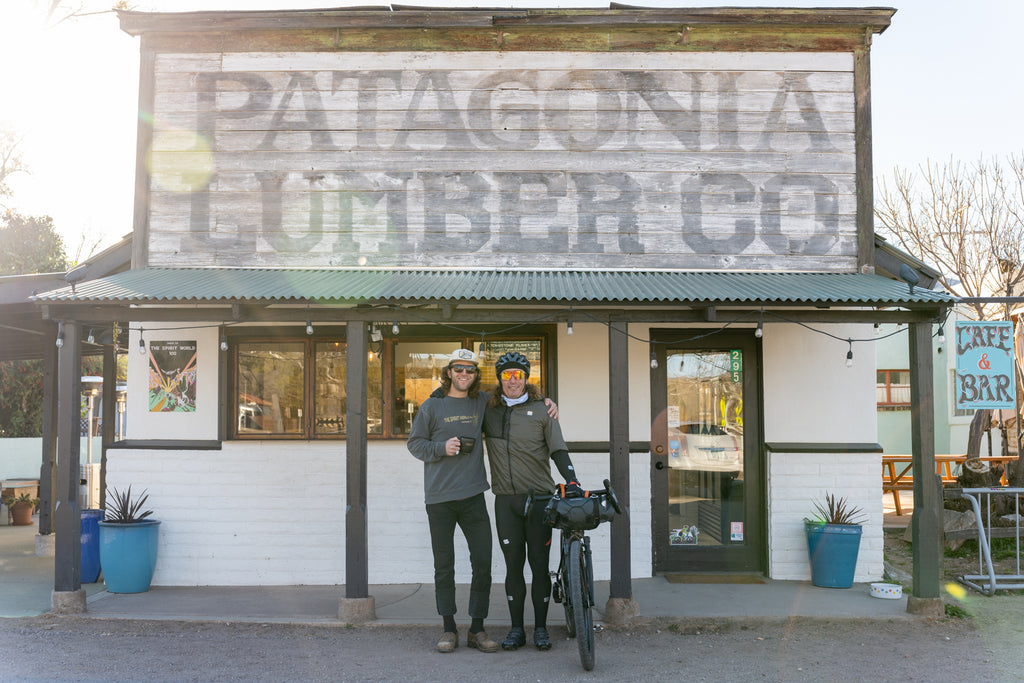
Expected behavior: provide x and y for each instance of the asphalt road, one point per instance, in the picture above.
(51, 648)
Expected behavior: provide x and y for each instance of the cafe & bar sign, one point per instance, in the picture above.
(984, 365)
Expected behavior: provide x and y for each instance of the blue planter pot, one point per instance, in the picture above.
(91, 545)
(128, 555)
(833, 550)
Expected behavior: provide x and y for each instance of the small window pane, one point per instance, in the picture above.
(270, 382)
(899, 386)
(330, 393)
(418, 367)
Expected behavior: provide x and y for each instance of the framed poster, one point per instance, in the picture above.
(172, 376)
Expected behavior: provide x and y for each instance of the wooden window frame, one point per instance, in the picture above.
(889, 404)
(468, 336)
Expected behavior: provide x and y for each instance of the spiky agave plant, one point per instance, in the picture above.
(838, 511)
(123, 509)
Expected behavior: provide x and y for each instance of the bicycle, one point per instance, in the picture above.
(573, 583)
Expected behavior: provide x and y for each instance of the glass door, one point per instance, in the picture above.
(706, 471)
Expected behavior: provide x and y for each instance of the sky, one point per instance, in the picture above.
(944, 86)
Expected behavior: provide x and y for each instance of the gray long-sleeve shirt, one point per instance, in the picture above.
(455, 477)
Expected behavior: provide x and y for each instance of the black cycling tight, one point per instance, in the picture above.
(524, 538)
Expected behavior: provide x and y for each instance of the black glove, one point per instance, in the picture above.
(572, 489)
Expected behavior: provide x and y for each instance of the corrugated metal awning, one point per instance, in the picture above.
(408, 286)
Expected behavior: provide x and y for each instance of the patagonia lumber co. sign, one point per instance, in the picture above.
(984, 365)
(557, 159)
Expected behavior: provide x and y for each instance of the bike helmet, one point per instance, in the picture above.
(512, 359)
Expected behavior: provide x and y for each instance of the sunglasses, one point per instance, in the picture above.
(512, 374)
(464, 369)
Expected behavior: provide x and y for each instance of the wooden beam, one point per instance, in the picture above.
(143, 145)
(106, 314)
(864, 171)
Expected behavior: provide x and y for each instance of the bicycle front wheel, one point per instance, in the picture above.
(579, 596)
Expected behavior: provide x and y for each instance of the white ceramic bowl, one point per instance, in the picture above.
(889, 591)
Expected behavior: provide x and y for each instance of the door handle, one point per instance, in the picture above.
(659, 465)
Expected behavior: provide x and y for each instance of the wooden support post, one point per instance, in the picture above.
(109, 415)
(926, 525)
(356, 554)
(618, 419)
(67, 516)
(48, 469)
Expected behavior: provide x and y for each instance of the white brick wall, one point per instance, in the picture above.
(273, 513)
(796, 482)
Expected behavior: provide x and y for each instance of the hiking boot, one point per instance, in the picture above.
(541, 638)
(515, 639)
(481, 642)
(449, 641)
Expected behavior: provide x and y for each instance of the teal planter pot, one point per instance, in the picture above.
(833, 549)
(128, 555)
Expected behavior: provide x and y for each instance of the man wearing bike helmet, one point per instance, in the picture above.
(446, 436)
(522, 440)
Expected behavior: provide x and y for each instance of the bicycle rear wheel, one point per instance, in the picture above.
(579, 596)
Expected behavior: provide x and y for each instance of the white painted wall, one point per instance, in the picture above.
(272, 512)
(811, 396)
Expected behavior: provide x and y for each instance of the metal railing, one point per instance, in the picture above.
(987, 581)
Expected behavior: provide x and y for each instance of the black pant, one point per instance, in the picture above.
(471, 516)
(524, 537)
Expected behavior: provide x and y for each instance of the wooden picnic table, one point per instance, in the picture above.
(897, 475)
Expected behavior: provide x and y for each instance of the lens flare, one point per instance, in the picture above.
(956, 590)
(180, 161)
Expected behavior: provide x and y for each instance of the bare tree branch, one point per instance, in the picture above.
(966, 220)
(11, 161)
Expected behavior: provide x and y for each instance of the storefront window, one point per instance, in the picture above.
(276, 379)
(270, 388)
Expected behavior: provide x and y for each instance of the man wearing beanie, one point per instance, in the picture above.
(522, 441)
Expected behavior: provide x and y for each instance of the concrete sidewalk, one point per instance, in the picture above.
(26, 585)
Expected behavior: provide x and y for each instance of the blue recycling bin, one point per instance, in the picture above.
(91, 545)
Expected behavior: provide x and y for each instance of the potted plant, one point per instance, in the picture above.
(833, 542)
(128, 543)
(21, 508)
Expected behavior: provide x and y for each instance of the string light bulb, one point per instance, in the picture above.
(309, 326)
(394, 328)
(60, 336)
(849, 354)
(142, 344)
(654, 359)
(942, 336)
(223, 340)
(759, 332)
(91, 339)
(568, 328)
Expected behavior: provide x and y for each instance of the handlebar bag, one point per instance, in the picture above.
(573, 513)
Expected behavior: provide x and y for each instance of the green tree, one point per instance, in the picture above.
(21, 393)
(30, 244)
